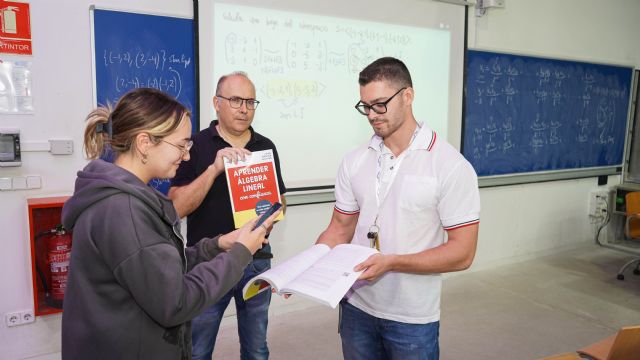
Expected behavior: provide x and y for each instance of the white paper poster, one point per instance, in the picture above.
(15, 87)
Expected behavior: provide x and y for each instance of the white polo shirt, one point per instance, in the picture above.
(428, 189)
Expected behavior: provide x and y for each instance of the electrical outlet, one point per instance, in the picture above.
(597, 202)
(19, 318)
(13, 319)
(28, 317)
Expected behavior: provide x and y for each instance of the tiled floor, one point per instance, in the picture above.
(523, 311)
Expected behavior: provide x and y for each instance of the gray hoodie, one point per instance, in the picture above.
(133, 287)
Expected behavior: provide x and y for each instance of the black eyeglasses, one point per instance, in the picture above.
(183, 148)
(378, 108)
(236, 102)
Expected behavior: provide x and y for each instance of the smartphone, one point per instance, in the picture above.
(268, 213)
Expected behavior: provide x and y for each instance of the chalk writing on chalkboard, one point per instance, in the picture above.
(159, 70)
(528, 114)
(139, 50)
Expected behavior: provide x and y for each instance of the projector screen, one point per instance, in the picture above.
(305, 64)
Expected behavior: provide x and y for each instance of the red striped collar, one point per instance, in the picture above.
(425, 139)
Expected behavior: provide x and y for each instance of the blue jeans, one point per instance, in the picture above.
(366, 337)
(252, 319)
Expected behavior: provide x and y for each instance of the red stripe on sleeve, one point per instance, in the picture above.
(345, 212)
(463, 225)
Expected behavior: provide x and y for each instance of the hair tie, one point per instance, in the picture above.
(105, 128)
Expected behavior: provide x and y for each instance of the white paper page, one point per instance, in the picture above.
(289, 269)
(332, 275)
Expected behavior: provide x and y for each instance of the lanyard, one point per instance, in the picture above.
(374, 230)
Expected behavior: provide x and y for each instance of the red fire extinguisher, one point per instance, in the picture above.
(58, 254)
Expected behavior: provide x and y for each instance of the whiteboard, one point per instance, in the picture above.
(305, 66)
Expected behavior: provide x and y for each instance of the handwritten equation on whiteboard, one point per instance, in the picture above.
(280, 56)
(155, 69)
(278, 42)
(299, 61)
(530, 114)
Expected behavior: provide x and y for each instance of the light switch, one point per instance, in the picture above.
(61, 147)
(5, 183)
(34, 182)
(19, 183)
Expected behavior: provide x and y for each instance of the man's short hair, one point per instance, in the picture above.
(387, 69)
(223, 78)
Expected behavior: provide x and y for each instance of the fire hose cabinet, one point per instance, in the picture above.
(50, 253)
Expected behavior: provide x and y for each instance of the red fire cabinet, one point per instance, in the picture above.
(49, 257)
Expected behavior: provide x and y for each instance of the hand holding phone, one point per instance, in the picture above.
(254, 240)
(275, 207)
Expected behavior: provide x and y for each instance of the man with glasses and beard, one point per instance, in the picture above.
(400, 193)
(199, 191)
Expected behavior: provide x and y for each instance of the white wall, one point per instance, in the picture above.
(517, 221)
(524, 219)
(62, 92)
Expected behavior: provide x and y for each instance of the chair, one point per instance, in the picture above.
(632, 228)
(625, 345)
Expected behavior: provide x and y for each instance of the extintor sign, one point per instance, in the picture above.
(15, 28)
